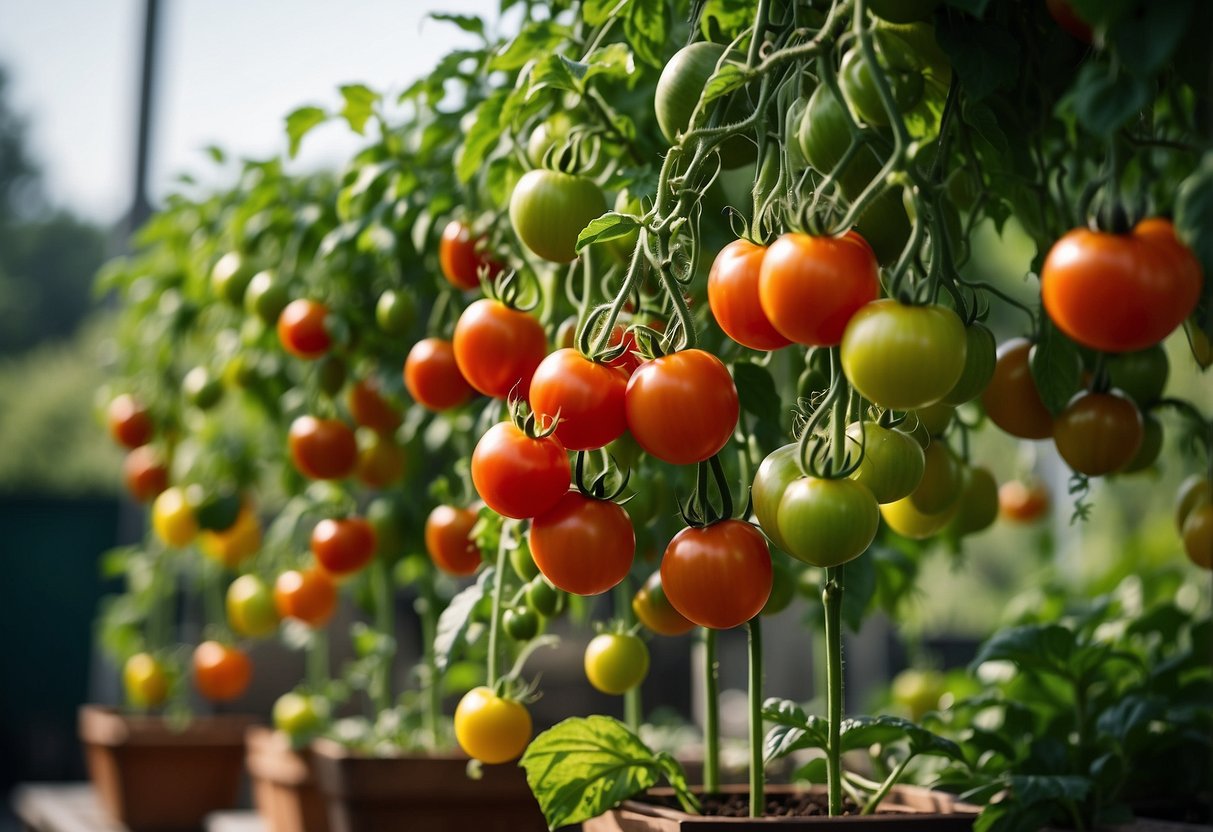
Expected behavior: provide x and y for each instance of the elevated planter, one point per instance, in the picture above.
(421, 793)
(906, 809)
(284, 783)
(153, 777)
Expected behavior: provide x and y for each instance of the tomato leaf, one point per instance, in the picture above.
(299, 122)
(1146, 39)
(757, 392)
(1103, 99)
(468, 23)
(557, 72)
(985, 56)
(611, 62)
(582, 767)
(863, 731)
(481, 138)
(1040, 788)
(451, 633)
(646, 26)
(359, 105)
(794, 729)
(1056, 368)
(541, 37)
(610, 226)
(724, 19)
(726, 79)
(1194, 225)
(1030, 647)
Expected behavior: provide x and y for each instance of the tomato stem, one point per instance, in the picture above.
(711, 714)
(831, 597)
(318, 661)
(381, 692)
(495, 619)
(427, 607)
(633, 709)
(757, 773)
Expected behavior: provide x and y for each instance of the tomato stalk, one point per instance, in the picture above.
(427, 608)
(318, 661)
(757, 773)
(381, 684)
(711, 713)
(633, 710)
(831, 597)
(498, 595)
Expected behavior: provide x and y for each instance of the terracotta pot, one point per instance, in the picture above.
(906, 809)
(153, 778)
(284, 783)
(422, 794)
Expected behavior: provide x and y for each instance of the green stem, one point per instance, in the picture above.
(831, 597)
(495, 621)
(757, 773)
(885, 787)
(633, 709)
(432, 714)
(385, 623)
(711, 715)
(318, 661)
(160, 627)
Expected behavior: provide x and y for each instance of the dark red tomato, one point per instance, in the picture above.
(1120, 292)
(498, 348)
(811, 286)
(370, 409)
(323, 449)
(655, 611)
(308, 595)
(718, 576)
(1065, 17)
(682, 407)
(518, 476)
(448, 540)
(460, 255)
(343, 546)
(129, 422)
(1011, 399)
(302, 329)
(1098, 433)
(432, 375)
(582, 545)
(733, 297)
(144, 473)
(588, 398)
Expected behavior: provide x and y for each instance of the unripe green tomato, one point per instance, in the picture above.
(827, 522)
(942, 478)
(395, 312)
(783, 587)
(230, 277)
(779, 470)
(266, 297)
(935, 418)
(893, 463)
(981, 354)
(522, 562)
(918, 691)
(215, 509)
(250, 607)
(549, 209)
(978, 504)
(521, 623)
(1151, 445)
(544, 598)
(859, 88)
(300, 717)
(331, 373)
(678, 91)
(616, 662)
(811, 382)
(201, 389)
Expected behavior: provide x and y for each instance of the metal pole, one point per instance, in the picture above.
(140, 203)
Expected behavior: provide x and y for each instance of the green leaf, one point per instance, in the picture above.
(556, 72)
(1144, 41)
(466, 22)
(1194, 224)
(757, 392)
(783, 712)
(983, 121)
(582, 767)
(1032, 647)
(360, 102)
(646, 26)
(984, 55)
(782, 740)
(451, 633)
(612, 62)
(725, 19)
(540, 37)
(299, 122)
(482, 137)
(1056, 367)
(610, 226)
(863, 731)
(726, 79)
(814, 771)
(1040, 788)
(1104, 99)
(597, 12)
(974, 7)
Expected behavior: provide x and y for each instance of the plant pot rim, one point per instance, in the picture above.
(331, 749)
(110, 726)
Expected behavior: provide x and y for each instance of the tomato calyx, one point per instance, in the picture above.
(601, 487)
(698, 511)
(535, 426)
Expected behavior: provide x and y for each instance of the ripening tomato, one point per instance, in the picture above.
(343, 546)
(461, 257)
(300, 717)
(491, 728)
(903, 357)
(1098, 433)
(518, 476)
(144, 680)
(583, 545)
(1147, 281)
(978, 506)
(892, 464)
(682, 407)
(231, 546)
(432, 375)
(654, 610)
(370, 409)
(323, 449)
(942, 479)
(549, 209)
(775, 474)
(1150, 448)
(616, 662)
(448, 540)
(303, 330)
(810, 287)
(827, 522)
(980, 357)
(587, 396)
(1064, 15)
(1195, 491)
(221, 672)
(1198, 536)
(733, 297)
(718, 576)
(129, 422)
(144, 473)
(250, 607)
(903, 518)
(173, 518)
(380, 461)
(498, 348)
(1011, 399)
(1021, 502)
(308, 595)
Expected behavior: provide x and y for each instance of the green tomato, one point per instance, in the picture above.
(942, 480)
(230, 278)
(981, 353)
(1150, 448)
(521, 623)
(250, 607)
(892, 463)
(827, 522)
(395, 312)
(934, 419)
(783, 587)
(859, 88)
(266, 297)
(678, 92)
(918, 691)
(1142, 375)
(544, 598)
(978, 504)
(549, 209)
(202, 389)
(331, 374)
(779, 470)
(300, 717)
(522, 562)
(616, 662)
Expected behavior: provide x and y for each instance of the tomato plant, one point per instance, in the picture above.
(734, 300)
(549, 208)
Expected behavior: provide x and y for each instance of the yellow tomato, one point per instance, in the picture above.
(173, 518)
(1198, 536)
(905, 519)
(491, 728)
(231, 546)
(145, 681)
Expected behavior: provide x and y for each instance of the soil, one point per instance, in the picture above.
(777, 806)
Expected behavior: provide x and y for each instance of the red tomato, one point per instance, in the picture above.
(1021, 502)
(323, 449)
(718, 576)
(1120, 292)
(733, 297)
(302, 329)
(129, 422)
(460, 259)
(370, 409)
(587, 396)
(308, 595)
(1011, 399)
(144, 473)
(582, 545)
(221, 672)
(432, 375)
(518, 476)
(498, 348)
(811, 286)
(682, 407)
(448, 540)
(343, 546)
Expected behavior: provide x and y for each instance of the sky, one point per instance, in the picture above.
(229, 72)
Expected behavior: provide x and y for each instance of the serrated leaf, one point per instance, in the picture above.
(299, 122)
(646, 26)
(984, 55)
(610, 226)
(723, 81)
(453, 624)
(540, 37)
(466, 22)
(482, 137)
(1031, 647)
(756, 390)
(359, 106)
(1056, 367)
(582, 767)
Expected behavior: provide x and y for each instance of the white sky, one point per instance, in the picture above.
(230, 70)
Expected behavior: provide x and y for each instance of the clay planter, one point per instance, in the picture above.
(422, 794)
(284, 783)
(153, 778)
(906, 809)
